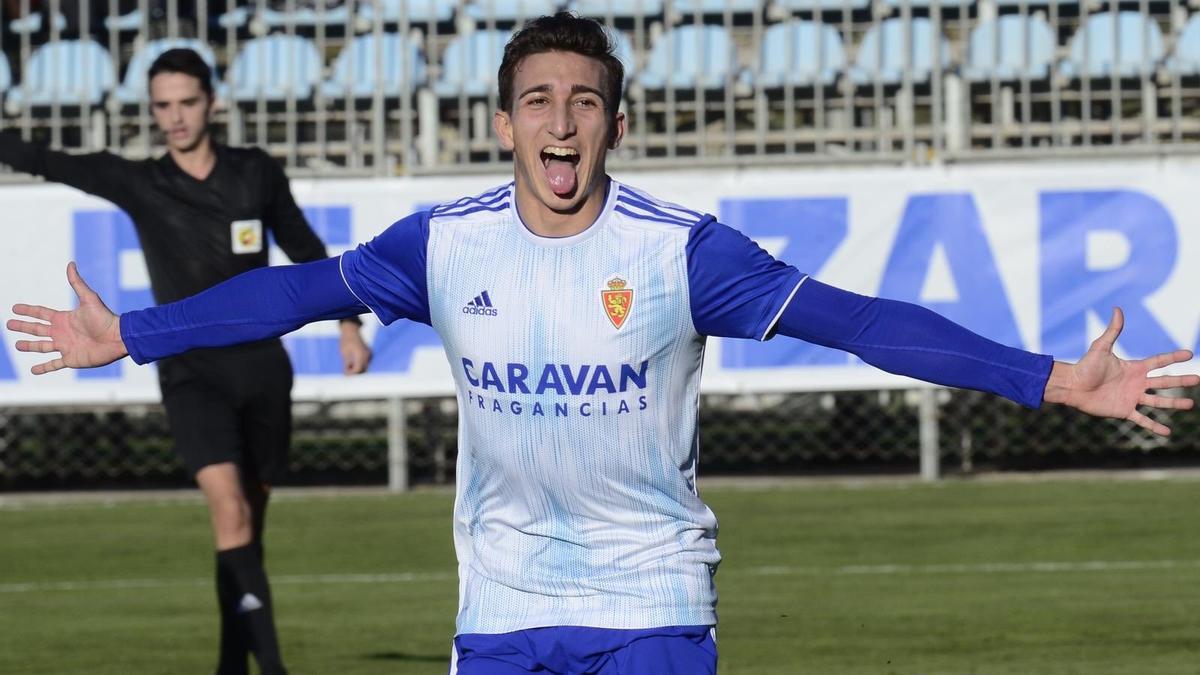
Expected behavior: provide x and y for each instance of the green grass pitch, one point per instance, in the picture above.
(1058, 577)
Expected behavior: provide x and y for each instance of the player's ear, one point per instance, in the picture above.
(502, 123)
(618, 131)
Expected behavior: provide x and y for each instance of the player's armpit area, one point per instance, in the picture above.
(907, 339)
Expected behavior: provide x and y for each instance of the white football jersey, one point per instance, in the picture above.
(577, 362)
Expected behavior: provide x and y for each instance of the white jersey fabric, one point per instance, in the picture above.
(577, 362)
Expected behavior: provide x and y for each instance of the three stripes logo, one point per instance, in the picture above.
(481, 305)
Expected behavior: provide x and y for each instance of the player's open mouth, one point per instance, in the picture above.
(560, 163)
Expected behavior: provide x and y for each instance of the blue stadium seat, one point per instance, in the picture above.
(5, 74)
(470, 62)
(274, 67)
(624, 51)
(354, 73)
(510, 10)
(75, 72)
(689, 56)
(32, 23)
(825, 5)
(126, 23)
(686, 7)
(929, 3)
(308, 17)
(1034, 3)
(798, 53)
(1007, 57)
(415, 10)
(618, 9)
(888, 38)
(1186, 58)
(133, 88)
(1115, 45)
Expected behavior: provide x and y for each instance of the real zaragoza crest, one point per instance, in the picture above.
(617, 301)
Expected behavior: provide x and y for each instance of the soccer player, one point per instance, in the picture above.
(203, 212)
(574, 311)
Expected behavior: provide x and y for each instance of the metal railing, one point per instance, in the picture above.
(403, 442)
(892, 82)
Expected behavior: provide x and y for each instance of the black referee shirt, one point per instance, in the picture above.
(194, 233)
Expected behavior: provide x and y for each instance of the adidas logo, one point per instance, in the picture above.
(481, 305)
(249, 603)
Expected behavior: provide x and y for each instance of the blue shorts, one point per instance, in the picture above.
(571, 650)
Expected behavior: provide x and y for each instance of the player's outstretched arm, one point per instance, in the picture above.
(1105, 385)
(256, 305)
(910, 340)
(85, 337)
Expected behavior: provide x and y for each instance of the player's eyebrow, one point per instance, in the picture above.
(547, 88)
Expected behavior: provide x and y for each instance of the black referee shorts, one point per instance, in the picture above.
(231, 405)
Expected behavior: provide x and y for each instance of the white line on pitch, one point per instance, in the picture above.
(978, 568)
(845, 570)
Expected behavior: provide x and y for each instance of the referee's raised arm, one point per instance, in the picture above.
(98, 173)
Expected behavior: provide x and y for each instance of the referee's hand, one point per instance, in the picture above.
(85, 337)
(356, 355)
(1106, 385)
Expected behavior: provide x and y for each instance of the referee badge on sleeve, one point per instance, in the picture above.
(246, 236)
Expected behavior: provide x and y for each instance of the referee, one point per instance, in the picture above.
(203, 212)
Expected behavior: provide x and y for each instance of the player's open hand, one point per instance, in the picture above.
(86, 337)
(1105, 385)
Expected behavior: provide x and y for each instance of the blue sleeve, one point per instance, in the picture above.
(259, 304)
(737, 289)
(388, 273)
(910, 340)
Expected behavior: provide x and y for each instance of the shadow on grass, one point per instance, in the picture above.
(402, 656)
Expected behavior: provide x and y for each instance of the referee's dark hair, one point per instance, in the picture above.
(184, 61)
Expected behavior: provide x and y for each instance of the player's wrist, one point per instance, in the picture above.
(1061, 383)
(115, 338)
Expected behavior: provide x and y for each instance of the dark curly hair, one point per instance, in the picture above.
(563, 32)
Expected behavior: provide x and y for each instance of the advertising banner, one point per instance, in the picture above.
(1032, 255)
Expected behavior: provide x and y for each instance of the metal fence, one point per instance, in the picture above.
(391, 87)
(413, 442)
(401, 87)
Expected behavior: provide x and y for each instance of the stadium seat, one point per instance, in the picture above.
(32, 23)
(618, 9)
(887, 41)
(307, 17)
(688, 7)
(5, 74)
(1007, 57)
(1034, 3)
(124, 23)
(790, 56)
(301, 17)
(826, 5)
(470, 62)
(1125, 44)
(510, 10)
(1186, 58)
(624, 51)
(354, 73)
(415, 10)
(74, 72)
(929, 3)
(689, 56)
(274, 67)
(133, 88)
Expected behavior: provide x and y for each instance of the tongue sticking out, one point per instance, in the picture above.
(561, 175)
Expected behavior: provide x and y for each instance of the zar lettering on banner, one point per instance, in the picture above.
(1033, 255)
